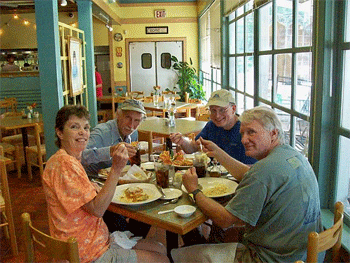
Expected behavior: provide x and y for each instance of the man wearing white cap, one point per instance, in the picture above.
(106, 136)
(222, 129)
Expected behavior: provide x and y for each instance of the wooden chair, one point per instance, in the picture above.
(12, 152)
(202, 113)
(8, 105)
(102, 116)
(38, 151)
(328, 239)
(47, 245)
(136, 95)
(6, 207)
(152, 146)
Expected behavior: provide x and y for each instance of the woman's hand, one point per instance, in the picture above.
(190, 180)
(120, 157)
(131, 149)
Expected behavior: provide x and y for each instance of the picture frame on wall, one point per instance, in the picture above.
(75, 66)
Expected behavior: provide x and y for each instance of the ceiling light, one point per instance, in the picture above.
(63, 2)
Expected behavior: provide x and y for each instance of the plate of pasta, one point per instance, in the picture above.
(135, 194)
(216, 187)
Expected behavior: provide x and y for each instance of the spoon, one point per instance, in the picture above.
(165, 211)
(172, 201)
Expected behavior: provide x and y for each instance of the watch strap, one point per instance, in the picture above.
(195, 192)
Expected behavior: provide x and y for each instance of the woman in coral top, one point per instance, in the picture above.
(76, 206)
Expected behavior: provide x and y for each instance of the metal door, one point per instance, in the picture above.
(150, 65)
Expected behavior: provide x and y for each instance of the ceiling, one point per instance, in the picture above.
(28, 6)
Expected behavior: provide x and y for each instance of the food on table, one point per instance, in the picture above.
(103, 172)
(134, 194)
(135, 144)
(216, 190)
(140, 176)
(178, 159)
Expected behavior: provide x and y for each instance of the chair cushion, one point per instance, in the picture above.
(17, 139)
(8, 148)
(34, 149)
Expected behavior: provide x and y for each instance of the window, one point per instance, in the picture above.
(278, 67)
(146, 61)
(165, 59)
(343, 131)
(210, 46)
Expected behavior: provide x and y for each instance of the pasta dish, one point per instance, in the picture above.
(134, 194)
(178, 159)
(216, 190)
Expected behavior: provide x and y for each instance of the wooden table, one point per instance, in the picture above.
(179, 106)
(159, 128)
(173, 224)
(17, 122)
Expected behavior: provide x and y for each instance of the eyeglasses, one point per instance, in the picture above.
(220, 111)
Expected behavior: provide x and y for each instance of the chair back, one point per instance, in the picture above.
(136, 95)
(8, 105)
(328, 239)
(202, 113)
(39, 132)
(47, 245)
(5, 204)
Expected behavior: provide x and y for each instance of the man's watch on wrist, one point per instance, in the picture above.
(194, 193)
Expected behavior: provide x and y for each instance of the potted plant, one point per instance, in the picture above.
(188, 80)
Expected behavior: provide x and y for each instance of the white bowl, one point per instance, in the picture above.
(185, 210)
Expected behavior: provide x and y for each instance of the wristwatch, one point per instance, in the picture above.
(194, 193)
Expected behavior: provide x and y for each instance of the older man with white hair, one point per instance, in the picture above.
(277, 198)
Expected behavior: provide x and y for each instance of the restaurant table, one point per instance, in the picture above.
(17, 122)
(158, 126)
(171, 222)
(179, 105)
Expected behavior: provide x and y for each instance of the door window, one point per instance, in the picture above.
(165, 60)
(146, 60)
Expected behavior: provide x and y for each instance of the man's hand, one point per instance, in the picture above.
(210, 148)
(119, 158)
(131, 149)
(177, 138)
(190, 180)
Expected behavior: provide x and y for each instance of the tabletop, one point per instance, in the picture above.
(158, 126)
(17, 122)
(148, 213)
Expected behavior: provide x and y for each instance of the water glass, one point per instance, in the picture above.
(156, 100)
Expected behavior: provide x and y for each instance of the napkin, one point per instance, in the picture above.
(124, 239)
(134, 170)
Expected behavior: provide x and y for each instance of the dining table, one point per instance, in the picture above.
(159, 127)
(171, 222)
(179, 105)
(19, 122)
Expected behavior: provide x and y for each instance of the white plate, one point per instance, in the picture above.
(171, 193)
(148, 166)
(149, 189)
(125, 170)
(210, 182)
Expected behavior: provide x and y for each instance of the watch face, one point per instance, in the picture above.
(118, 37)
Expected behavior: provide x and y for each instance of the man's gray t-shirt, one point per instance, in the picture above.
(278, 198)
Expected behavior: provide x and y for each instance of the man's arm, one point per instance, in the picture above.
(186, 144)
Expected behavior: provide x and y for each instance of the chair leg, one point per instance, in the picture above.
(18, 162)
(29, 166)
(41, 166)
(6, 227)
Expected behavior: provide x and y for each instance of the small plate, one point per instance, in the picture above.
(149, 166)
(149, 189)
(171, 193)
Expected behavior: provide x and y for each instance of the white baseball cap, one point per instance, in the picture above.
(133, 105)
(221, 98)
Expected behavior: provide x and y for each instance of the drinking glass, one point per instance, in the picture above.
(162, 174)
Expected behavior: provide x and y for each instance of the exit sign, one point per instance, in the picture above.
(159, 13)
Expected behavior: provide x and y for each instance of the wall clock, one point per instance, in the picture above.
(118, 37)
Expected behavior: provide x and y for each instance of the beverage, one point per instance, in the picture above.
(162, 177)
(136, 159)
(200, 170)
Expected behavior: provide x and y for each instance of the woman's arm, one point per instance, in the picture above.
(100, 203)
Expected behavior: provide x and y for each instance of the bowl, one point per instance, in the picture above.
(185, 210)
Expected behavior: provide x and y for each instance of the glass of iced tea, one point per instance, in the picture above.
(200, 164)
(162, 174)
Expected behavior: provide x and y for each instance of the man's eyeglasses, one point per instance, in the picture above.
(220, 111)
